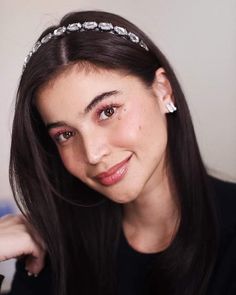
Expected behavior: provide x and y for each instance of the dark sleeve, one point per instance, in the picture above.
(29, 285)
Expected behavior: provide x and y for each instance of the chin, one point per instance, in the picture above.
(122, 197)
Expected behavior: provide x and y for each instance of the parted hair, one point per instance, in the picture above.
(82, 241)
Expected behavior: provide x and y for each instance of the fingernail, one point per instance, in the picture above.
(35, 275)
(29, 274)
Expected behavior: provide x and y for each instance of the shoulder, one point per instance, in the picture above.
(223, 187)
(224, 197)
(223, 279)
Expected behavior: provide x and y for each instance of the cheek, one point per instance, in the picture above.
(140, 126)
(143, 132)
(128, 130)
(72, 163)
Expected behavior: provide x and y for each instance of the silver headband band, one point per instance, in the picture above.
(86, 26)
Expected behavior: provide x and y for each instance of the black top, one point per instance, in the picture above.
(133, 265)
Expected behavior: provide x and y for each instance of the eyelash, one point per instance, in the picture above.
(56, 137)
(99, 112)
(104, 108)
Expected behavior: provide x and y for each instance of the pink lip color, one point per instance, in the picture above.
(114, 174)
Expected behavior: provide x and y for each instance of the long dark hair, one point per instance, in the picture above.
(82, 241)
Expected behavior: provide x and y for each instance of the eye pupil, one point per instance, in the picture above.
(109, 112)
(67, 134)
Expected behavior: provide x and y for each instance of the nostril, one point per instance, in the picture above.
(95, 152)
(93, 144)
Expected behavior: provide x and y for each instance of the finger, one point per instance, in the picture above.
(10, 220)
(18, 222)
(34, 265)
(17, 243)
(34, 235)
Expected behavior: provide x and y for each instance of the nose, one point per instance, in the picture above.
(96, 147)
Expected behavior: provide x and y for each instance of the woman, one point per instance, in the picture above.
(106, 169)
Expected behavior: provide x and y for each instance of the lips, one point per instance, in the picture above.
(114, 174)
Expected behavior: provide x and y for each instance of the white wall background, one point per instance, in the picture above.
(198, 37)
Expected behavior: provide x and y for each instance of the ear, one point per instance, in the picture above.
(162, 90)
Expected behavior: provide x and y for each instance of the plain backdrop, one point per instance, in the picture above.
(198, 37)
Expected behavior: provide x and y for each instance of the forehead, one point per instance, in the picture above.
(76, 87)
(85, 82)
(81, 70)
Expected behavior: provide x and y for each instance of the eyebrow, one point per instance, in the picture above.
(97, 99)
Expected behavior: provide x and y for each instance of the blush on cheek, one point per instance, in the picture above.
(127, 132)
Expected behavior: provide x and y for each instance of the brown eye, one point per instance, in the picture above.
(107, 113)
(67, 134)
(64, 136)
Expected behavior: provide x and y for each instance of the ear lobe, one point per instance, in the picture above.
(163, 91)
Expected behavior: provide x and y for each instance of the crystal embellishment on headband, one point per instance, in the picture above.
(86, 26)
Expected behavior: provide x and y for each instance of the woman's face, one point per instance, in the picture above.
(109, 128)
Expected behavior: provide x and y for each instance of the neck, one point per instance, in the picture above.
(150, 221)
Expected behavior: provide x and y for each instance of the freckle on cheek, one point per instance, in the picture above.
(140, 127)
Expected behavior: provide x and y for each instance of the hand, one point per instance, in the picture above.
(17, 239)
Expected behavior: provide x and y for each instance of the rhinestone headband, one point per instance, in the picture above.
(86, 26)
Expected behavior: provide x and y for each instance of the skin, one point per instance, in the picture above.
(19, 239)
(128, 125)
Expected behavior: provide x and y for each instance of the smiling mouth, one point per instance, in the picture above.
(114, 174)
